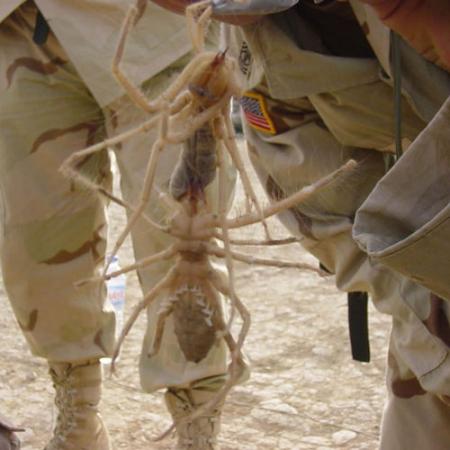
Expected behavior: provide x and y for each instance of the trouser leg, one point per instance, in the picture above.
(53, 230)
(416, 423)
(413, 418)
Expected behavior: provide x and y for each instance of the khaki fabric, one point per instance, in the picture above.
(281, 71)
(8, 438)
(378, 35)
(347, 116)
(405, 222)
(8, 6)
(88, 32)
(332, 84)
(53, 230)
(424, 84)
(52, 234)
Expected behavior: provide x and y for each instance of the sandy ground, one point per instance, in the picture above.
(305, 391)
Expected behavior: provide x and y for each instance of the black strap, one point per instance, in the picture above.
(41, 29)
(397, 75)
(358, 325)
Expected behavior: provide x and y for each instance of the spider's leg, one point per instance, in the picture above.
(223, 287)
(184, 77)
(185, 130)
(149, 177)
(144, 262)
(69, 166)
(163, 313)
(135, 93)
(230, 144)
(86, 182)
(292, 200)
(102, 191)
(197, 16)
(144, 303)
(221, 327)
(222, 219)
(249, 259)
(236, 369)
(180, 102)
(257, 242)
(237, 364)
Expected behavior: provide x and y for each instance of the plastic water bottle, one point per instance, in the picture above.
(115, 299)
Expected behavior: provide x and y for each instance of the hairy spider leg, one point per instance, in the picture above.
(157, 148)
(197, 16)
(249, 259)
(230, 143)
(292, 200)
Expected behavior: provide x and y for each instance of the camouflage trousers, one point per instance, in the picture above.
(53, 231)
(296, 148)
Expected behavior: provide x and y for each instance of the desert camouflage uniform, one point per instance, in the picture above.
(307, 112)
(56, 99)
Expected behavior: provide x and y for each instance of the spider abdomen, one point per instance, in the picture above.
(194, 316)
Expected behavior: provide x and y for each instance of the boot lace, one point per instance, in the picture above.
(66, 421)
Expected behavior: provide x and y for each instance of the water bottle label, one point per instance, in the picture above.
(116, 296)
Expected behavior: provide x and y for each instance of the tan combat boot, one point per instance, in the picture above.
(78, 391)
(8, 439)
(200, 434)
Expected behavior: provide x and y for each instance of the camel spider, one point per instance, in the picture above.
(194, 108)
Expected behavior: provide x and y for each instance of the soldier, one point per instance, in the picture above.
(319, 80)
(57, 96)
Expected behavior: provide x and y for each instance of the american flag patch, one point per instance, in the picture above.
(255, 112)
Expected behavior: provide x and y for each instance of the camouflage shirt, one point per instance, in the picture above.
(88, 31)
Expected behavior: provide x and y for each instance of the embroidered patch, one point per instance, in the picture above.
(245, 59)
(256, 114)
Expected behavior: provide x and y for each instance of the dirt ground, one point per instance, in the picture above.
(305, 391)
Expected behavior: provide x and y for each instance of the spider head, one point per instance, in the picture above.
(210, 81)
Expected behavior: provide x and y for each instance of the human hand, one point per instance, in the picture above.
(423, 23)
